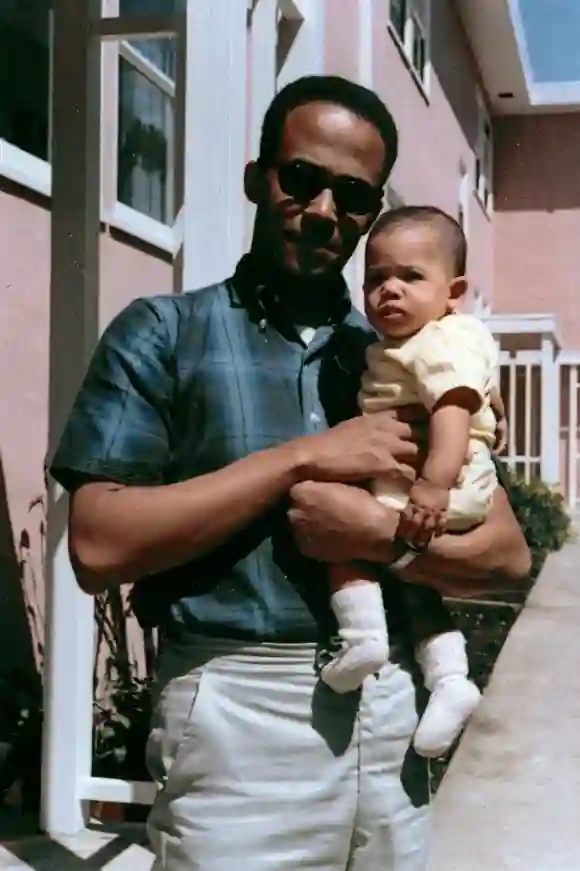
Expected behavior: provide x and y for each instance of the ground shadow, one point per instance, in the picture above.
(91, 851)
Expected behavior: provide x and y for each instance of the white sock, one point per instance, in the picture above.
(362, 627)
(454, 697)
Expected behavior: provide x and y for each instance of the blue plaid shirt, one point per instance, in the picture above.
(183, 385)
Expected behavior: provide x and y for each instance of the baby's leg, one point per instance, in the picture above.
(440, 653)
(357, 603)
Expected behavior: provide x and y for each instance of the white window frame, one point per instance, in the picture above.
(414, 26)
(483, 176)
(464, 197)
(120, 215)
(35, 174)
(17, 164)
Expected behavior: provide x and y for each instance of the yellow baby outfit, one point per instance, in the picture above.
(457, 351)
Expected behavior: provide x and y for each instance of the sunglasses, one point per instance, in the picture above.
(305, 181)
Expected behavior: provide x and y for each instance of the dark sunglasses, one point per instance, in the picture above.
(305, 181)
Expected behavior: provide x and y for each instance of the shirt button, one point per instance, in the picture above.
(314, 418)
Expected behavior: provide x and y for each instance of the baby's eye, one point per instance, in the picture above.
(412, 275)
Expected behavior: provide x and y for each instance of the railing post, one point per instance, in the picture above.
(550, 416)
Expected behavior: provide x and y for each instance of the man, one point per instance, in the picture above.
(200, 414)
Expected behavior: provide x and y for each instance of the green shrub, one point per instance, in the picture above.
(543, 516)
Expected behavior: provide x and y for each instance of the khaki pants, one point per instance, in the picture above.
(261, 767)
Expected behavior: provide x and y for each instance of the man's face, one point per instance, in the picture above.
(323, 193)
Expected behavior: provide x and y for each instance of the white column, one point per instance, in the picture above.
(211, 139)
(550, 431)
(74, 295)
(306, 55)
(263, 38)
(354, 272)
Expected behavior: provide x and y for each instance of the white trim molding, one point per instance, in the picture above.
(25, 169)
(525, 324)
(211, 140)
(142, 227)
(413, 33)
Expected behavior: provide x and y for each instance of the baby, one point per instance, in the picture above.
(447, 362)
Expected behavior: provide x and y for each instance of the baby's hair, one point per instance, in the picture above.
(448, 228)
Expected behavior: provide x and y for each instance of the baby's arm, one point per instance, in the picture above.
(447, 453)
(498, 408)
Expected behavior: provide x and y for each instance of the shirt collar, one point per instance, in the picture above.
(263, 307)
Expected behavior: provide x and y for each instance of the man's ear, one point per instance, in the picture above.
(254, 182)
(457, 290)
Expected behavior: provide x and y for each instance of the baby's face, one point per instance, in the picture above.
(408, 280)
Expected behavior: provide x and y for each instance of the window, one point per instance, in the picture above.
(484, 156)
(410, 23)
(145, 176)
(25, 75)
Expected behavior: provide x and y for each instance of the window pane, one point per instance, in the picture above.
(25, 74)
(421, 10)
(419, 53)
(145, 171)
(160, 51)
(398, 16)
(149, 7)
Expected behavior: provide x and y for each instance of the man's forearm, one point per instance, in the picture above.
(121, 534)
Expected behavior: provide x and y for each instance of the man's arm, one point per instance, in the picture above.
(115, 455)
(335, 523)
(119, 534)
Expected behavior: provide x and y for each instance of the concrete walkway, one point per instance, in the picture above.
(511, 798)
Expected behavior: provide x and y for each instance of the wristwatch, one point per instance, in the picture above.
(407, 557)
(410, 553)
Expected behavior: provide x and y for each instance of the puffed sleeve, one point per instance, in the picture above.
(458, 351)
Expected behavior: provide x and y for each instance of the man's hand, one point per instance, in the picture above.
(425, 514)
(366, 447)
(335, 523)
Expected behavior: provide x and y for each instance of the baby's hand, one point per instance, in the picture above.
(501, 435)
(425, 514)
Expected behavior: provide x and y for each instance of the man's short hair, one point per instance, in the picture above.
(327, 89)
(449, 230)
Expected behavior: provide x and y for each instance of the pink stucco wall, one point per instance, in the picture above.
(437, 128)
(342, 32)
(126, 272)
(537, 218)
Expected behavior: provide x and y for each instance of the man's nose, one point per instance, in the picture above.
(323, 206)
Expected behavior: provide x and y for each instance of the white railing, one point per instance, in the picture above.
(521, 390)
(569, 432)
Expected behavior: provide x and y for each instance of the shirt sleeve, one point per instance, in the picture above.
(118, 429)
(458, 351)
